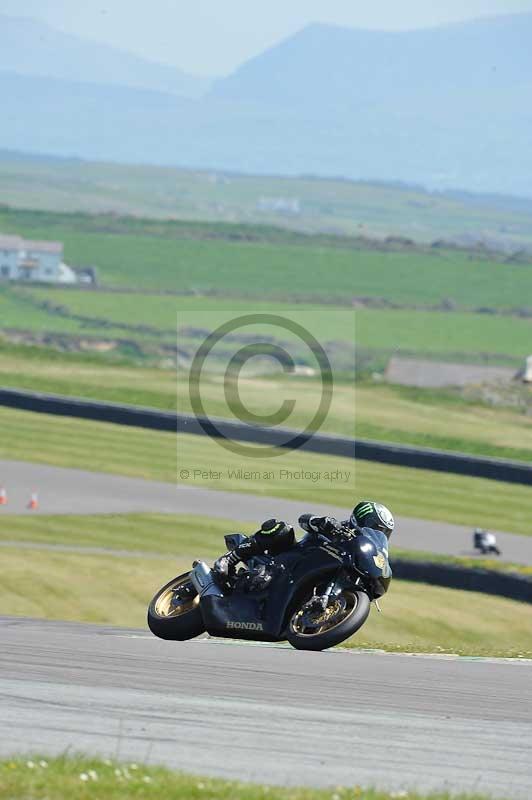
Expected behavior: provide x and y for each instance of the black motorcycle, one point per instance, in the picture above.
(315, 595)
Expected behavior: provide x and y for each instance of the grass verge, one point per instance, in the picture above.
(156, 534)
(308, 477)
(79, 777)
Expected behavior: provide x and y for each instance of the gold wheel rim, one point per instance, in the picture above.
(295, 626)
(163, 604)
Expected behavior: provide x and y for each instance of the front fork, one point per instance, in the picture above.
(333, 588)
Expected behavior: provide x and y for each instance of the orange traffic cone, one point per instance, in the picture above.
(3, 497)
(34, 502)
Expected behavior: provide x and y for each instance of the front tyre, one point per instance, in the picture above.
(312, 628)
(174, 612)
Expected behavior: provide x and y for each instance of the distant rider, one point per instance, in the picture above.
(276, 536)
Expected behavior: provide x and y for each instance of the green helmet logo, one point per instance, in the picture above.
(363, 509)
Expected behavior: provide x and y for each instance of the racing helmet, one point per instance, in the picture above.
(368, 514)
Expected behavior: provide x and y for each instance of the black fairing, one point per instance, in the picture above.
(370, 550)
(270, 608)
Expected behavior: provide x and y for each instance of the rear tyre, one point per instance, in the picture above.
(174, 612)
(318, 630)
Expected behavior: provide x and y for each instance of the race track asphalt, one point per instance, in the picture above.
(267, 713)
(72, 491)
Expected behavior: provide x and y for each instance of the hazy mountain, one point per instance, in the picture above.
(331, 66)
(444, 108)
(30, 47)
(61, 117)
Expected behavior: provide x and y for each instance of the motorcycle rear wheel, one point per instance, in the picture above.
(169, 617)
(333, 626)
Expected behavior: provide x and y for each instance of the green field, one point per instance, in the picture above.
(81, 777)
(148, 255)
(17, 313)
(443, 334)
(342, 206)
(311, 280)
(148, 454)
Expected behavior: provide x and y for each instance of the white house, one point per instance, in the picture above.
(27, 260)
(10, 247)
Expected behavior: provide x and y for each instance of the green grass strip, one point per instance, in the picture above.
(82, 777)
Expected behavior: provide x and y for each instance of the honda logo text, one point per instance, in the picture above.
(246, 626)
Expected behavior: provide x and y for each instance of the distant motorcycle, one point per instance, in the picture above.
(315, 595)
(485, 542)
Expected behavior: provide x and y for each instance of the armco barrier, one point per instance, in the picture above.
(453, 576)
(402, 455)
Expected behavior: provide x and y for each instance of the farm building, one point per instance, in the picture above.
(27, 260)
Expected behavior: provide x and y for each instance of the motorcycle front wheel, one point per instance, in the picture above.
(318, 629)
(174, 612)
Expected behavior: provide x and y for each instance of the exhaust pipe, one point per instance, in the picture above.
(203, 580)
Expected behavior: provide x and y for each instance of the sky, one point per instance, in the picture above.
(212, 37)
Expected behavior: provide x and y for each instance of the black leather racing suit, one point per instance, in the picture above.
(272, 538)
(275, 537)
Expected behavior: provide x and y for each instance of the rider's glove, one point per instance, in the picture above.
(313, 524)
(326, 525)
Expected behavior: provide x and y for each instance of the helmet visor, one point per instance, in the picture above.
(385, 517)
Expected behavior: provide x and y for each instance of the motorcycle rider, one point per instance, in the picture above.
(276, 536)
